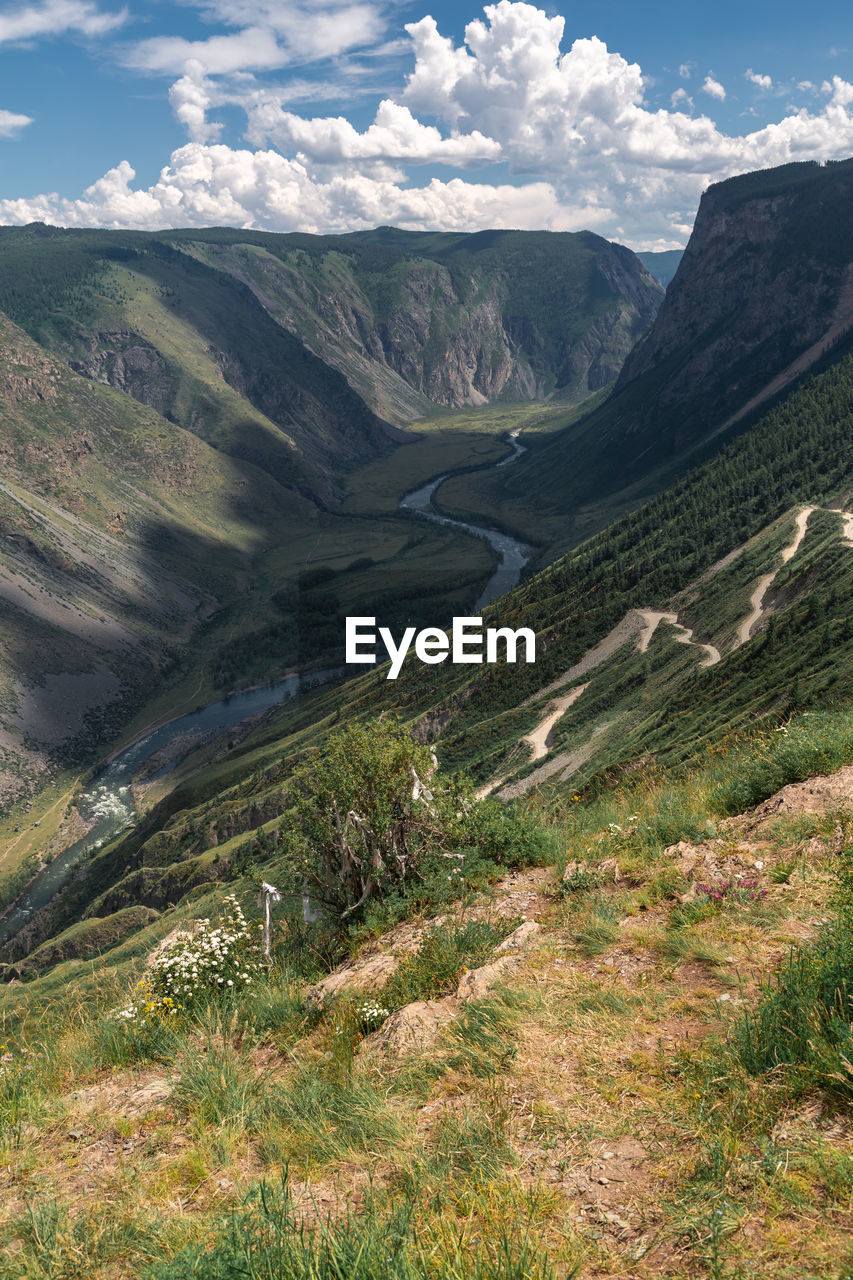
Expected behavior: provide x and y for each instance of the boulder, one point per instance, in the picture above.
(476, 983)
(415, 1028)
(519, 937)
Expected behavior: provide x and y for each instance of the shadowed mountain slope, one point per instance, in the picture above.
(764, 291)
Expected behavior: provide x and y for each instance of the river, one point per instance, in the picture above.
(513, 554)
(108, 803)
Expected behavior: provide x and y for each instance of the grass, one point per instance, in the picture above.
(607, 1044)
(268, 1240)
(435, 968)
(800, 1027)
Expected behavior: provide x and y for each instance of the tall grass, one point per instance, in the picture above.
(445, 951)
(634, 815)
(269, 1240)
(802, 1023)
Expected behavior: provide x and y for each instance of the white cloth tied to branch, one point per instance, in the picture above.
(419, 790)
(267, 896)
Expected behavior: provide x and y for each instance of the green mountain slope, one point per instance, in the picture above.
(121, 531)
(697, 554)
(762, 293)
(408, 320)
(191, 342)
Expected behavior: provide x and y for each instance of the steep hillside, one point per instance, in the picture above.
(765, 287)
(121, 531)
(727, 559)
(763, 292)
(277, 329)
(623, 1049)
(414, 319)
(194, 344)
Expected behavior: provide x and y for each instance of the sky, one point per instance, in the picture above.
(325, 117)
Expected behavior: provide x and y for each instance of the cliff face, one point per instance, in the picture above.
(763, 295)
(414, 321)
(764, 288)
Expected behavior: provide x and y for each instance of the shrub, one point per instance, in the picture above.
(208, 962)
(368, 822)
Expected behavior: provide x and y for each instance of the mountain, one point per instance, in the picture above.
(662, 265)
(121, 532)
(190, 321)
(652, 933)
(133, 312)
(764, 290)
(763, 293)
(238, 367)
(724, 602)
(656, 614)
(419, 319)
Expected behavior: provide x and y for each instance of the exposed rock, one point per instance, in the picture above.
(692, 859)
(752, 296)
(815, 795)
(417, 1027)
(575, 868)
(122, 1097)
(476, 983)
(364, 975)
(519, 937)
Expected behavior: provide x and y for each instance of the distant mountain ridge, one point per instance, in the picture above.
(763, 293)
(409, 320)
(419, 319)
(662, 264)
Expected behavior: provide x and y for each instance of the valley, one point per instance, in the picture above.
(568, 939)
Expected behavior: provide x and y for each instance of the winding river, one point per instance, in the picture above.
(107, 804)
(513, 554)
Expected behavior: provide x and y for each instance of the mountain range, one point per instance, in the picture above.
(690, 569)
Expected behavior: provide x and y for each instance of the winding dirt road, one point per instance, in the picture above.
(756, 600)
(652, 617)
(538, 739)
(645, 622)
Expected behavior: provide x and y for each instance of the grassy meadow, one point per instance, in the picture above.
(624, 1101)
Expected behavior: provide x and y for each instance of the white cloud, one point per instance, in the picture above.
(12, 123)
(685, 70)
(216, 185)
(572, 130)
(713, 88)
(191, 98)
(58, 17)
(394, 136)
(269, 36)
(763, 82)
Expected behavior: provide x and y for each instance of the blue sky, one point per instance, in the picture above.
(331, 117)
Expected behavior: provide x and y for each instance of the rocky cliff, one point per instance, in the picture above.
(415, 320)
(763, 296)
(765, 287)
